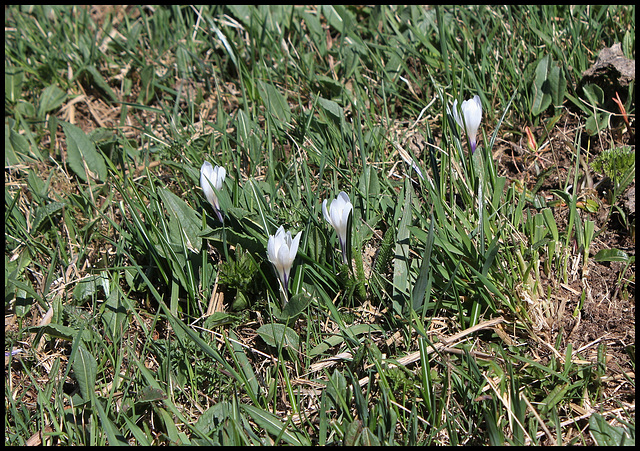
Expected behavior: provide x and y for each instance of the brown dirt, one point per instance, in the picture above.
(606, 289)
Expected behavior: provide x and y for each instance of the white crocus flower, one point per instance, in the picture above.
(281, 251)
(210, 178)
(472, 113)
(338, 216)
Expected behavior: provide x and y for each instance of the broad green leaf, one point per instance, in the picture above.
(242, 12)
(242, 361)
(295, 306)
(240, 302)
(589, 205)
(401, 257)
(558, 85)
(149, 394)
(597, 122)
(606, 435)
(88, 286)
(23, 303)
(50, 99)
(85, 369)
(368, 438)
(423, 282)
(37, 186)
(59, 331)
(331, 107)
(329, 85)
(313, 24)
(352, 433)
(184, 220)
(556, 395)
(219, 319)
(114, 314)
(147, 82)
(275, 103)
(25, 108)
(140, 436)
(277, 334)
(185, 63)
(611, 255)
(627, 44)
(82, 156)
(551, 223)
(549, 86)
(114, 436)
(541, 97)
(46, 211)
(274, 426)
(16, 147)
(594, 94)
(213, 416)
(99, 81)
(538, 229)
(334, 340)
(13, 78)
(337, 391)
(179, 438)
(338, 17)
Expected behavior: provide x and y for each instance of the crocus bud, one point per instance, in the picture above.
(281, 251)
(338, 216)
(211, 178)
(472, 113)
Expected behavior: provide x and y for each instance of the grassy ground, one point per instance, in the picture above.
(489, 297)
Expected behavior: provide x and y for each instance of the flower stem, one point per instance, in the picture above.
(284, 293)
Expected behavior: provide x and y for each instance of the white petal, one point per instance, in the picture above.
(335, 211)
(338, 214)
(472, 110)
(346, 208)
(344, 196)
(219, 174)
(283, 265)
(325, 212)
(272, 251)
(281, 251)
(293, 249)
(280, 235)
(456, 113)
(206, 180)
(283, 257)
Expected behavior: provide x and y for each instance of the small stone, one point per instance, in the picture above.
(612, 71)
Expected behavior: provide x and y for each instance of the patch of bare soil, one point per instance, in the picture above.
(596, 304)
